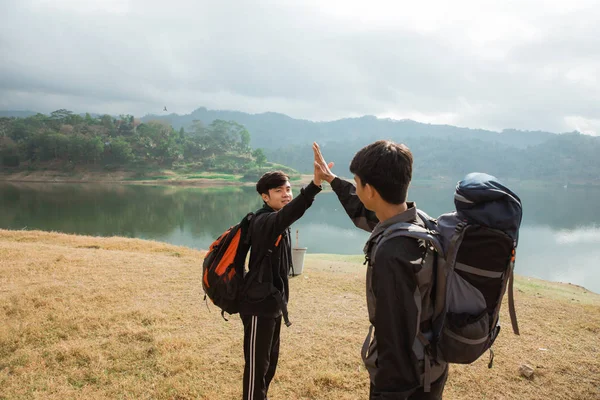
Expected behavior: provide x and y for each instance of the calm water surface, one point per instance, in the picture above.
(559, 239)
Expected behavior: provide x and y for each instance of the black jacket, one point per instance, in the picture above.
(265, 229)
(391, 293)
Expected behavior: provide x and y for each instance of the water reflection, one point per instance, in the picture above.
(558, 237)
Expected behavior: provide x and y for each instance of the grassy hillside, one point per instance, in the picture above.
(96, 318)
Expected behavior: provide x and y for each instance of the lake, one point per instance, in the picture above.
(559, 239)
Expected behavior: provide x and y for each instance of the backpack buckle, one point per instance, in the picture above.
(460, 226)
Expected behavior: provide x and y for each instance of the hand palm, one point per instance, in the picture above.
(322, 168)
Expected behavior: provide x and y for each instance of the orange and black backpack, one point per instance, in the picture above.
(223, 267)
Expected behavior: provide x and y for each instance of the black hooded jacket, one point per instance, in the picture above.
(392, 296)
(270, 230)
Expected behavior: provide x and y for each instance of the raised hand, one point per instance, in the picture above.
(322, 168)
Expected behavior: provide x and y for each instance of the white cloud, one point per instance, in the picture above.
(583, 125)
(528, 65)
(83, 6)
(586, 75)
(580, 236)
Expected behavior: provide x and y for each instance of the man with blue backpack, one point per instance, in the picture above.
(434, 287)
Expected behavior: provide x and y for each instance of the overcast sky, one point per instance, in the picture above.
(504, 64)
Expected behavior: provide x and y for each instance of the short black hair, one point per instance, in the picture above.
(387, 166)
(271, 180)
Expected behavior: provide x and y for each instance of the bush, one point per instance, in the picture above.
(111, 167)
(69, 166)
(121, 151)
(11, 160)
(253, 175)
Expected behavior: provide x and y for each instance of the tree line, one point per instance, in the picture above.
(66, 139)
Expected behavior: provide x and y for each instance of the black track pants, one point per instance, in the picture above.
(261, 352)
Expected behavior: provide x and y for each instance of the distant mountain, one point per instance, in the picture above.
(16, 114)
(273, 130)
(25, 114)
(566, 158)
(440, 151)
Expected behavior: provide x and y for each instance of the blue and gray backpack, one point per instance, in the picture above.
(467, 268)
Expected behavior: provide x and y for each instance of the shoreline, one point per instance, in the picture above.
(124, 178)
(170, 178)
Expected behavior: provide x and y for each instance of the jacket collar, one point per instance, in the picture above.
(410, 215)
(264, 209)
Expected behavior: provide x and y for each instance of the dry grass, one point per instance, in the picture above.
(113, 318)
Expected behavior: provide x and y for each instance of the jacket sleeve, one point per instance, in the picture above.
(271, 225)
(360, 216)
(396, 320)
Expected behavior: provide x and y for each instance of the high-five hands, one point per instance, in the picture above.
(322, 168)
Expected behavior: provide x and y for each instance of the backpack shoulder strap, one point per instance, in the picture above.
(408, 229)
(429, 222)
(511, 300)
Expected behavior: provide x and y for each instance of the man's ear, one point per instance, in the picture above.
(265, 197)
(372, 193)
(369, 191)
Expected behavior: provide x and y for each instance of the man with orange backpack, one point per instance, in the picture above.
(266, 293)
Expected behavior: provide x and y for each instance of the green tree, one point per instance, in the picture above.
(9, 152)
(259, 157)
(120, 151)
(159, 142)
(51, 146)
(125, 125)
(244, 141)
(108, 122)
(24, 129)
(58, 117)
(89, 120)
(5, 126)
(94, 148)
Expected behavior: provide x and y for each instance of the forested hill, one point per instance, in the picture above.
(563, 159)
(223, 140)
(64, 140)
(441, 151)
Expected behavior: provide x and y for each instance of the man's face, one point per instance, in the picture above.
(278, 197)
